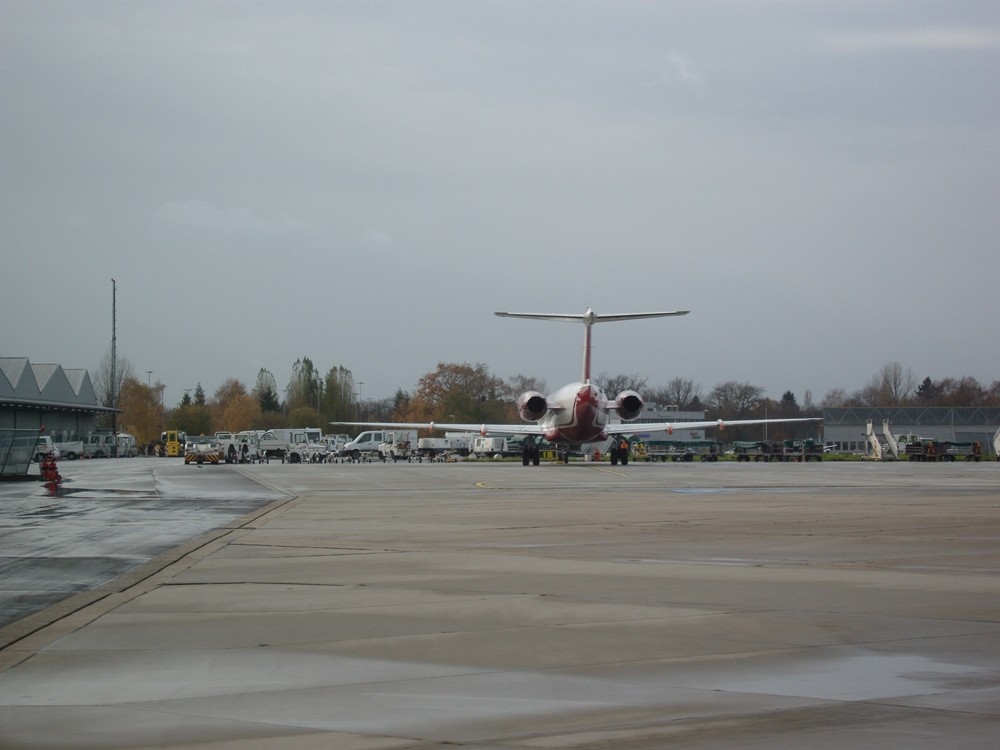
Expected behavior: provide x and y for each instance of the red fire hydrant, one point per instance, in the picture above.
(50, 472)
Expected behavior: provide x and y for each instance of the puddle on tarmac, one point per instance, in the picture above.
(851, 677)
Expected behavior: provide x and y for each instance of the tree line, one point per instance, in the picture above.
(463, 392)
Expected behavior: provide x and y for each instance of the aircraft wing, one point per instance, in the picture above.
(484, 429)
(632, 427)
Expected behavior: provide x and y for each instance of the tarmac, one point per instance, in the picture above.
(486, 605)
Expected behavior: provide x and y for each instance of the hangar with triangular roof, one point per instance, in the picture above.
(61, 400)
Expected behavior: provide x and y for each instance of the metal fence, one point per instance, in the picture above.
(17, 448)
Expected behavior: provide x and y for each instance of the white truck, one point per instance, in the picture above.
(452, 443)
(128, 446)
(69, 449)
(248, 446)
(229, 446)
(399, 445)
(370, 443)
(294, 445)
(45, 447)
(99, 445)
(487, 445)
(335, 444)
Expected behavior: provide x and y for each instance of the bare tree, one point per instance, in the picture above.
(890, 386)
(613, 385)
(518, 384)
(734, 400)
(679, 392)
(965, 391)
(834, 399)
(108, 390)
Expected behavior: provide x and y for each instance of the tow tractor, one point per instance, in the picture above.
(201, 450)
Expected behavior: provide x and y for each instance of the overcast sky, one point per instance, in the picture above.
(365, 183)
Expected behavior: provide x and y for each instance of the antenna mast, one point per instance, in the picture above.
(114, 364)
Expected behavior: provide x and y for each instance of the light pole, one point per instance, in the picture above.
(149, 374)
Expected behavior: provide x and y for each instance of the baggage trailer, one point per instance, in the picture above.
(795, 450)
(679, 450)
(758, 450)
(972, 451)
(924, 449)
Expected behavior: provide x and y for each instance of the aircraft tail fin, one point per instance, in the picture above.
(589, 318)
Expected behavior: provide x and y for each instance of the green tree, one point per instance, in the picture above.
(266, 392)
(788, 407)
(400, 404)
(199, 395)
(193, 418)
(339, 401)
(304, 416)
(303, 386)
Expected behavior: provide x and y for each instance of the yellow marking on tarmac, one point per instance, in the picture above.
(607, 471)
(485, 486)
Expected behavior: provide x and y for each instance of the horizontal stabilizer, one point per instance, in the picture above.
(590, 316)
(588, 319)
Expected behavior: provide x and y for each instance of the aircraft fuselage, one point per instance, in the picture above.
(580, 415)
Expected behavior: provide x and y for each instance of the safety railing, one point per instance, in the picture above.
(17, 448)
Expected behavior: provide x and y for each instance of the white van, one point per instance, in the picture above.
(127, 445)
(366, 442)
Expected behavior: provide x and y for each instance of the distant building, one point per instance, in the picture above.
(34, 396)
(657, 413)
(845, 427)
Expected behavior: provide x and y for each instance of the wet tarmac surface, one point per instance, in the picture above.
(495, 606)
(107, 517)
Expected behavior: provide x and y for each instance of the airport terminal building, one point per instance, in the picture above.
(845, 427)
(32, 396)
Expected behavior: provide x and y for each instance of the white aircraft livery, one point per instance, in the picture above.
(578, 412)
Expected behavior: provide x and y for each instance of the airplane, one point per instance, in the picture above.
(579, 412)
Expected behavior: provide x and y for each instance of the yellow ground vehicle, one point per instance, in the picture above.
(173, 441)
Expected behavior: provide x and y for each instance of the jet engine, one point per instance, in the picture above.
(628, 404)
(531, 405)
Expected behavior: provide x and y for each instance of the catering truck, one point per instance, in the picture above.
(399, 445)
(295, 445)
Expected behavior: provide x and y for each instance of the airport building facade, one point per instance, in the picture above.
(33, 396)
(845, 427)
(658, 413)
